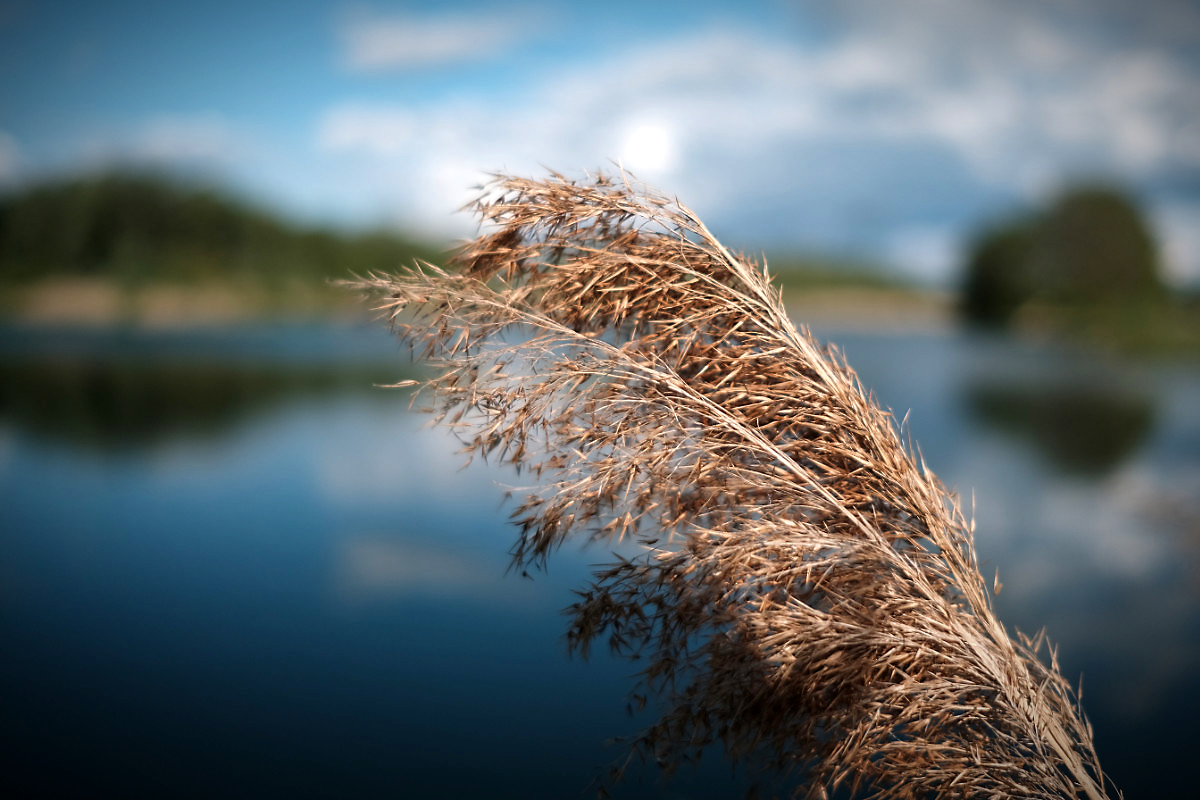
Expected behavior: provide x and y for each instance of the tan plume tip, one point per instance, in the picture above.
(808, 594)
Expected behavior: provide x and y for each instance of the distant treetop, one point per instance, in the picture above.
(1090, 248)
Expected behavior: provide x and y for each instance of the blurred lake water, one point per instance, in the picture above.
(230, 565)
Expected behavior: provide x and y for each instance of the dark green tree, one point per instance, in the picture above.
(1090, 250)
(998, 279)
(1093, 246)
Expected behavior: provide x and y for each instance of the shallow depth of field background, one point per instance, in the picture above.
(231, 564)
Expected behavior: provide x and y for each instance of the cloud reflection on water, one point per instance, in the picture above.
(331, 526)
(381, 567)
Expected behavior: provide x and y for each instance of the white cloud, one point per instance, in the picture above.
(740, 122)
(381, 131)
(1008, 87)
(731, 88)
(377, 43)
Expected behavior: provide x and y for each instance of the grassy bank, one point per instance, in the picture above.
(104, 302)
(1167, 327)
(156, 251)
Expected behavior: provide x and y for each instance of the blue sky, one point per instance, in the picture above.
(884, 130)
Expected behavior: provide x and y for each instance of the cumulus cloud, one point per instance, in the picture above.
(1076, 85)
(377, 43)
(925, 127)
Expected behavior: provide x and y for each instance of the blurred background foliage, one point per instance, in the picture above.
(139, 228)
(1087, 265)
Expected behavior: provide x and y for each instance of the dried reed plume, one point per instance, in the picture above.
(808, 593)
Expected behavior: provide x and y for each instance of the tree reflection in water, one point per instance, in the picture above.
(123, 404)
(1080, 428)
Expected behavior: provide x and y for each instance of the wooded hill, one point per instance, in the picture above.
(140, 228)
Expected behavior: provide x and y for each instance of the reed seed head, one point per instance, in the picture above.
(806, 592)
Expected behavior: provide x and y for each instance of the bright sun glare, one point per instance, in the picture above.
(649, 147)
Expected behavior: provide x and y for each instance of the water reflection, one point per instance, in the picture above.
(124, 390)
(327, 589)
(1082, 429)
(129, 405)
(383, 566)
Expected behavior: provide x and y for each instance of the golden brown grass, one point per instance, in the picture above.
(808, 594)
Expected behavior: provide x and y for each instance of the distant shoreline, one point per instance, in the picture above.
(870, 309)
(102, 303)
(99, 303)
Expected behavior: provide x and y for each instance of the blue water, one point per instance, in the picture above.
(232, 566)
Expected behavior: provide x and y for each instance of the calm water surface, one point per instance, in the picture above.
(231, 566)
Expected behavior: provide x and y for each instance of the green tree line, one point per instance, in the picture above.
(142, 228)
